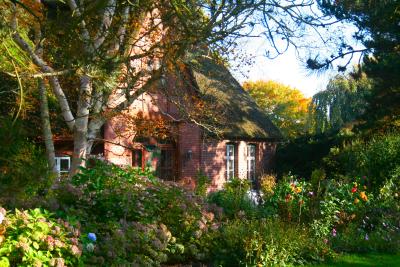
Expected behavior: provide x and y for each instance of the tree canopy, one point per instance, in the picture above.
(378, 28)
(286, 106)
(99, 56)
(342, 102)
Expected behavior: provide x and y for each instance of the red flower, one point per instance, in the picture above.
(354, 189)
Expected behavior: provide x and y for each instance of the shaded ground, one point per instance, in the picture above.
(364, 260)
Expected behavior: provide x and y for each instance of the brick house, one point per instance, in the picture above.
(244, 147)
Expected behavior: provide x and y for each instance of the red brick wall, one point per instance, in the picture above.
(189, 153)
(117, 154)
(213, 160)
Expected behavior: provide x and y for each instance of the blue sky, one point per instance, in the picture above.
(288, 68)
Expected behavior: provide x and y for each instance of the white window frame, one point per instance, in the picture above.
(230, 162)
(251, 161)
(58, 163)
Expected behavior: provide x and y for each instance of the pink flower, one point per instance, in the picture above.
(334, 232)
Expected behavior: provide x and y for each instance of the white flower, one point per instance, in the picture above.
(1, 217)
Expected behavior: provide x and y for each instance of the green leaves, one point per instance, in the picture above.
(33, 236)
(342, 102)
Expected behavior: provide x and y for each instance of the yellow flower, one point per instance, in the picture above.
(363, 196)
(356, 201)
(298, 189)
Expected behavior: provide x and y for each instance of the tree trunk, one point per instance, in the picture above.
(46, 126)
(94, 132)
(81, 126)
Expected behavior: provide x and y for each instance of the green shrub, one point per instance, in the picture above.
(24, 176)
(376, 227)
(35, 238)
(343, 202)
(110, 200)
(202, 184)
(290, 199)
(267, 242)
(234, 199)
(376, 159)
(126, 243)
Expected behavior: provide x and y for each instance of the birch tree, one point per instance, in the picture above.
(99, 56)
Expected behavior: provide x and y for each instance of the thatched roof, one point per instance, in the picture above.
(243, 119)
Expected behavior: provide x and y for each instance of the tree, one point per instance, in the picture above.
(99, 56)
(287, 107)
(342, 102)
(378, 31)
(113, 51)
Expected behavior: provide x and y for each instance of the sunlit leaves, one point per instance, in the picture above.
(286, 106)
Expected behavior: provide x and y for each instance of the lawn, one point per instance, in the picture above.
(364, 260)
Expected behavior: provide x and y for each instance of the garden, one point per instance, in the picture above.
(331, 196)
(112, 216)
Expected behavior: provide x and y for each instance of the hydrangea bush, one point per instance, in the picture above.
(137, 218)
(35, 238)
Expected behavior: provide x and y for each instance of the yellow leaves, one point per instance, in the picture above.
(286, 106)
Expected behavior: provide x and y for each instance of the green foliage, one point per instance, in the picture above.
(302, 155)
(378, 31)
(290, 198)
(341, 103)
(35, 238)
(203, 182)
(128, 243)
(131, 210)
(267, 242)
(234, 199)
(24, 175)
(267, 185)
(376, 159)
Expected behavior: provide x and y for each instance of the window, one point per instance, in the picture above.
(63, 164)
(137, 158)
(230, 161)
(166, 164)
(251, 162)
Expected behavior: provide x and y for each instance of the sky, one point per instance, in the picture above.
(288, 68)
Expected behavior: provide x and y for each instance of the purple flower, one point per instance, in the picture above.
(311, 193)
(92, 237)
(333, 232)
(366, 237)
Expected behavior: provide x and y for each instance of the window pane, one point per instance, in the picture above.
(137, 158)
(166, 164)
(251, 162)
(64, 165)
(230, 161)
(251, 150)
(229, 150)
(166, 158)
